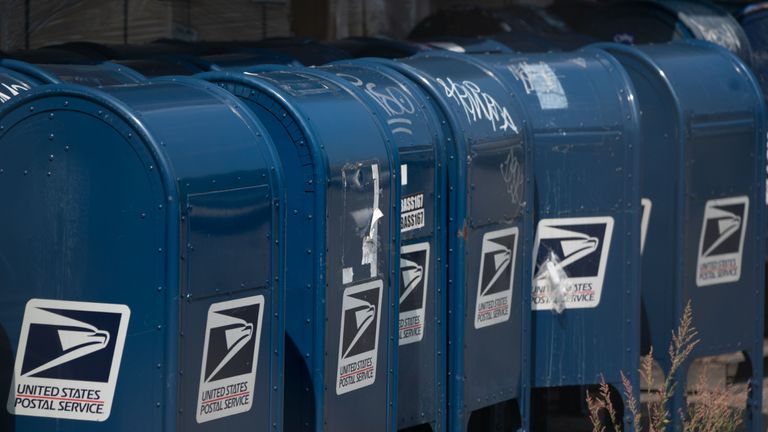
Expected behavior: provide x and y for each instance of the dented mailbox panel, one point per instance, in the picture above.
(419, 136)
(134, 218)
(342, 247)
(586, 135)
(489, 226)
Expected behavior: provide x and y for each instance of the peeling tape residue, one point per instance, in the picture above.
(371, 241)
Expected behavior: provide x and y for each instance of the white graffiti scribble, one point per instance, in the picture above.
(512, 173)
(477, 104)
(394, 101)
(13, 89)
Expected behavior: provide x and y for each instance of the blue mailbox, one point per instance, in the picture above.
(489, 227)
(419, 137)
(142, 261)
(659, 21)
(342, 251)
(586, 291)
(703, 162)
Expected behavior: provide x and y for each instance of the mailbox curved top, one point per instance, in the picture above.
(174, 121)
(91, 75)
(647, 21)
(722, 83)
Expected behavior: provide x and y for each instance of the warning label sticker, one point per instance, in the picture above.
(68, 359)
(230, 357)
(414, 271)
(722, 241)
(411, 212)
(497, 270)
(359, 339)
(581, 247)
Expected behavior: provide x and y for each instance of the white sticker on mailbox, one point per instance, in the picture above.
(722, 241)
(581, 247)
(359, 337)
(68, 359)
(411, 212)
(230, 358)
(496, 277)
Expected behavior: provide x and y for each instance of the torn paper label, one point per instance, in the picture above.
(539, 78)
(371, 241)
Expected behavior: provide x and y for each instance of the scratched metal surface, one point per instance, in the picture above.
(342, 235)
(102, 220)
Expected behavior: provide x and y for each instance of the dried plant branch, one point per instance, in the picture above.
(715, 409)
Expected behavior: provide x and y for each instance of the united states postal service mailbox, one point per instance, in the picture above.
(419, 138)
(489, 228)
(703, 171)
(141, 263)
(342, 247)
(586, 296)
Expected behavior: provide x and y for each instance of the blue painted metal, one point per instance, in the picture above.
(659, 21)
(489, 211)
(754, 21)
(91, 75)
(419, 137)
(704, 140)
(586, 133)
(164, 197)
(342, 237)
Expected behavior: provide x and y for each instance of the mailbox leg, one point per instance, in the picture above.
(754, 413)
